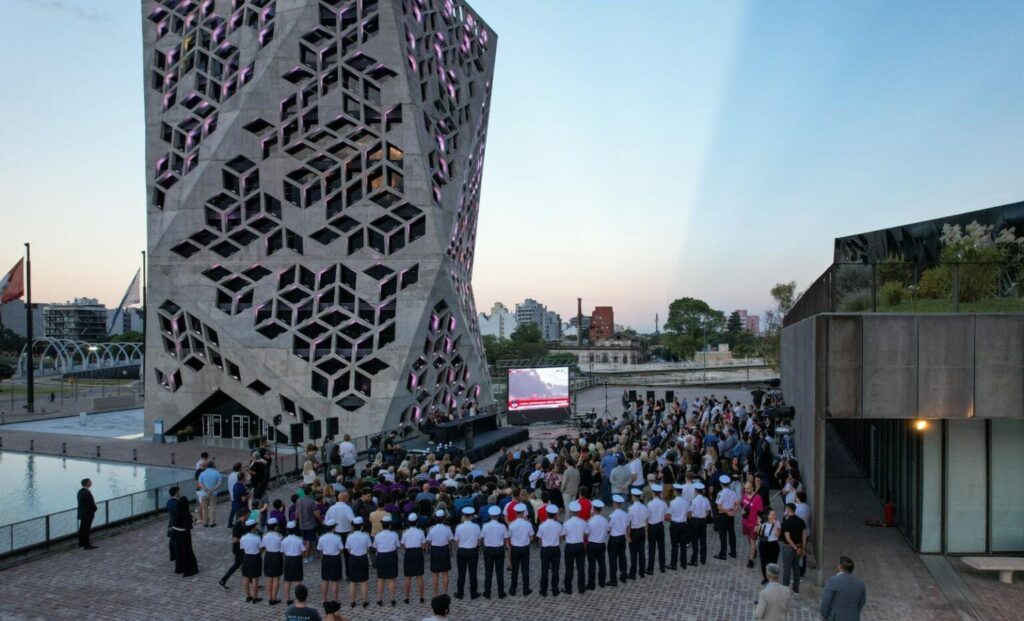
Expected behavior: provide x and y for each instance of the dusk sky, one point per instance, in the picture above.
(637, 152)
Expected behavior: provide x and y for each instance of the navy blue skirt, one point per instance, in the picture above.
(293, 568)
(440, 559)
(412, 563)
(387, 565)
(358, 568)
(330, 567)
(273, 564)
(251, 566)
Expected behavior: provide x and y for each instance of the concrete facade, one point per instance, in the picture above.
(313, 179)
(500, 322)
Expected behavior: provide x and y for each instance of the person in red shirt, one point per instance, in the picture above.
(585, 505)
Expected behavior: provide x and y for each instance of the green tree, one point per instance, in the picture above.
(734, 325)
(691, 323)
(527, 333)
(746, 345)
(784, 294)
(131, 336)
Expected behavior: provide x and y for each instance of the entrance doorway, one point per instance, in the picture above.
(212, 425)
(240, 426)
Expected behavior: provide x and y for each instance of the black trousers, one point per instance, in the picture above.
(84, 530)
(616, 559)
(494, 563)
(595, 560)
(726, 533)
(549, 560)
(637, 558)
(768, 552)
(520, 558)
(467, 560)
(678, 535)
(656, 539)
(575, 559)
(699, 539)
(234, 565)
(170, 542)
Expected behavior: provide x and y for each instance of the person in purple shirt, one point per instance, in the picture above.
(278, 512)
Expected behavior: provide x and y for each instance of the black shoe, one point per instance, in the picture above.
(257, 600)
(555, 593)
(672, 567)
(732, 554)
(422, 600)
(353, 604)
(613, 584)
(487, 595)
(407, 601)
(380, 602)
(459, 596)
(512, 592)
(797, 591)
(248, 600)
(393, 603)
(750, 563)
(274, 602)
(543, 594)
(501, 596)
(366, 604)
(720, 557)
(566, 591)
(89, 547)
(223, 584)
(525, 592)
(590, 587)
(474, 596)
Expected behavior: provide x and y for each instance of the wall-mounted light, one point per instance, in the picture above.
(920, 424)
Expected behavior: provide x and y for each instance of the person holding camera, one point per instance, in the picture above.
(768, 532)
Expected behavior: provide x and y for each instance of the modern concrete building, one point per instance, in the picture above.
(129, 320)
(500, 322)
(552, 328)
(548, 322)
(83, 319)
(929, 400)
(12, 317)
(313, 178)
(602, 323)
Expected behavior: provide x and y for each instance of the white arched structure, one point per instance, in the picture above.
(68, 356)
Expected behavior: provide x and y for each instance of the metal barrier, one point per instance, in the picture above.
(38, 531)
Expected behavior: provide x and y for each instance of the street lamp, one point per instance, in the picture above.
(704, 326)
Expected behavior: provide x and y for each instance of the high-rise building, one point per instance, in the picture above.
(83, 319)
(313, 180)
(548, 322)
(552, 328)
(128, 320)
(500, 322)
(602, 323)
(750, 323)
(12, 317)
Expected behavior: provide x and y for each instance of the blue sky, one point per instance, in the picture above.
(637, 152)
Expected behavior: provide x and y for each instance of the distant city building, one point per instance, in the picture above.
(500, 322)
(83, 319)
(602, 323)
(12, 316)
(572, 324)
(130, 320)
(750, 323)
(548, 322)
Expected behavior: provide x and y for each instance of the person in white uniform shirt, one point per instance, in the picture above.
(440, 538)
(689, 490)
(329, 545)
(637, 534)
(576, 530)
(414, 544)
(700, 508)
(678, 528)
(386, 544)
(342, 514)
(358, 547)
(598, 541)
(657, 509)
(292, 547)
(550, 533)
(495, 537)
(520, 534)
(618, 532)
(467, 537)
(250, 543)
(728, 505)
(273, 560)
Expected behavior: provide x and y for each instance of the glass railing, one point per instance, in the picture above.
(27, 534)
(898, 287)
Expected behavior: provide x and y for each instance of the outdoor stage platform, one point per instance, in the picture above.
(481, 433)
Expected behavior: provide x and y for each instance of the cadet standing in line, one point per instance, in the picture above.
(273, 560)
(657, 510)
(596, 544)
(329, 545)
(638, 515)
(495, 536)
(292, 547)
(358, 548)
(550, 534)
(386, 544)
(414, 542)
(700, 508)
(576, 530)
(251, 565)
(618, 533)
(440, 537)
(467, 536)
(520, 534)
(728, 504)
(678, 510)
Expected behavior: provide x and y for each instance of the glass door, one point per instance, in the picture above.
(240, 426)
(211, 425)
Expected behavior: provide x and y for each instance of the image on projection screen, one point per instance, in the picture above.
(535, 389)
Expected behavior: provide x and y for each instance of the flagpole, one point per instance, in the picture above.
(29, 371)
(145, 314)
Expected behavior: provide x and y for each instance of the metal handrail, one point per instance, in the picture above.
(60, 525)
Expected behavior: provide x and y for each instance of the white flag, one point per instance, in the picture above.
(131, 296)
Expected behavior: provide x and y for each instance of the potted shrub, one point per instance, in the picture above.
(254, 442)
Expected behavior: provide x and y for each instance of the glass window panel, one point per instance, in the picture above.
(1007, 485)
(931, 489)
(965, 487)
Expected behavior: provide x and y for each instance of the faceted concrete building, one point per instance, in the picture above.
(313, 176)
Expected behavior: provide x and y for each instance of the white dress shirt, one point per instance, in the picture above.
(727, 499)
(440, 535)
(575, 529)
(330, 544)
(358, 543)
(293, 546)
(700, 507)
(678, 509)
(638, 514)
(386, 541)
(413, 538)
(271, 542)
(657, 509)
(519, 532)
(467, 535)
(598, 529)
(494, 533)
(342, 515)
(550, 532)
(618, 523)
(250, 543)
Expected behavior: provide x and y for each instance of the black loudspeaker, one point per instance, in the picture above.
(295, 437)
(650, 394)
(670, 396)
(315, 430)
(632, 396)
(774, 383)
(332, 426)
(783, 412)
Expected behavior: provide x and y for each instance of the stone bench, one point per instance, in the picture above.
(1005, 565)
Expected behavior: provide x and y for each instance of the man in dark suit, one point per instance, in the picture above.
(844, 595)
(86, 511)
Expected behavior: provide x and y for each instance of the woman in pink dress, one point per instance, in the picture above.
(752, 507)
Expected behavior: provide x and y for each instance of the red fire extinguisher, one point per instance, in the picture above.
(890, 513)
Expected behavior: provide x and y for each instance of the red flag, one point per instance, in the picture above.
(12, 285)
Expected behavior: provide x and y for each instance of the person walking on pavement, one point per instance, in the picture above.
(773, 600)
(845, 594)
(86, 512)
